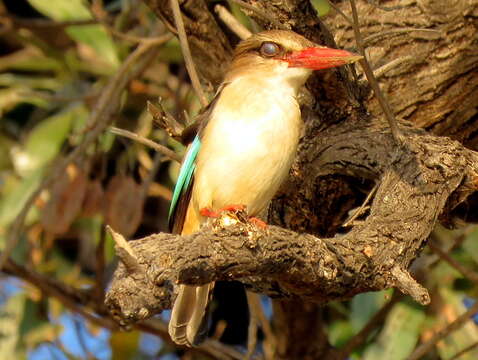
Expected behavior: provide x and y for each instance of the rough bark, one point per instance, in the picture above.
(344, 153)
(417, 182)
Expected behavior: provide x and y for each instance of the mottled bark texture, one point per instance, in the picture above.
(425, 56)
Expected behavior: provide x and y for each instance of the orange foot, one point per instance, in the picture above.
(207, 212)
(258, 222)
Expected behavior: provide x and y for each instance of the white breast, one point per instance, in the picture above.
(248, 145)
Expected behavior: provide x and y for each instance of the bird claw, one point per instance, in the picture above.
(258, 222)
(236, 208)
(208, 212)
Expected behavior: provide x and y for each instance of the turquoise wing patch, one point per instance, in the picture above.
(185, 174)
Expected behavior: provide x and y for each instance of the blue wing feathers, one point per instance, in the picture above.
(185, 174)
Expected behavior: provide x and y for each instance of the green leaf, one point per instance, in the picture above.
(93, 35)
(96, 37)
(321, 6)
(62, 10)
(13, 199)
(45, 140)
(339, 332)
(364, 306)
(399, 335)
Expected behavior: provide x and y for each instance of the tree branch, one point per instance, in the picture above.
(430, 176)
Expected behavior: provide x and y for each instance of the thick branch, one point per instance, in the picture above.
(418, 183)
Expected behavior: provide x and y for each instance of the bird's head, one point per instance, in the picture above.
(285, 53)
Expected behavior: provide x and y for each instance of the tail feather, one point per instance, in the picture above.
(182, 310)
(189, 318)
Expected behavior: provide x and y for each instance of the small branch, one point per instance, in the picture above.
(397, 136)
(336, 8)
(390, 65)
(385, 8)
(270, 342)
(425, 348)
(155, 40)
(408, 285)
(361, 209)
(43, 23)
(460, 353)
(100, 17)
(470, 274)
(188, 59)
(235, 26)
(165, 120)
(253, 322)
(377, 36)
(124, 252)
(259, 12)
(74, 299)
(363, 335)
(78, 301)
(154, 145)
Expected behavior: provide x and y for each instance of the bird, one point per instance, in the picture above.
(244, 148)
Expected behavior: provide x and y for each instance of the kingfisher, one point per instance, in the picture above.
(244, 148)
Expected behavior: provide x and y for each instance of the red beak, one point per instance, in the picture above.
(318, 58)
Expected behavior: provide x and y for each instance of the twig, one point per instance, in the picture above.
(374, 3)
(253, 321)
(390, 65)
(165, 120)
(100, 14)
(43, 23)
(381, 34)
(464, 351)
(269, 342)
(183, 40)
(360, 210)
(425, 348)
(210, 346)
(397, 136)
(336, 8)
(71, 298)
(456, 243)
(143, 40)
(235, 26)
(99, 119)
(408, 285)
(124, 252)
(154, 145)
(468, 273)
(259, 12)
(362, 336)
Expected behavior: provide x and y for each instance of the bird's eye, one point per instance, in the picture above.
(269, 49)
